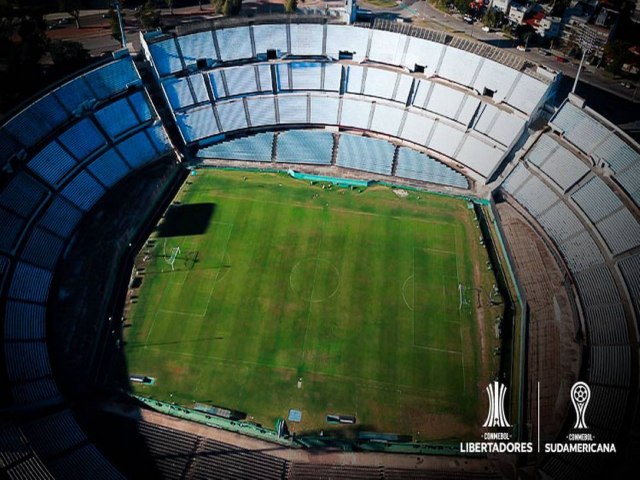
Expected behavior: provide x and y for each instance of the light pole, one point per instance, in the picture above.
(575, 83)
(123, 39)
(586, 43)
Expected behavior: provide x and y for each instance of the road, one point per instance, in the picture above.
(437, 20)
(96, 37)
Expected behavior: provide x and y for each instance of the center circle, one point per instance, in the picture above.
(314, 279)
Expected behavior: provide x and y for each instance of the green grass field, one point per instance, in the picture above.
(355, 293)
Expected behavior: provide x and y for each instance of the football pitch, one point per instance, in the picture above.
(369, 297)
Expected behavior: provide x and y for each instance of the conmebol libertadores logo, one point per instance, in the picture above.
(496, 441)
(496, 392)
(580, 395)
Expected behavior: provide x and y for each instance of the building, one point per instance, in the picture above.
(635, 14)
(607, 17)
(589, 29)
(518, 11)
(548, 27)
(502, 5)
(578, 33)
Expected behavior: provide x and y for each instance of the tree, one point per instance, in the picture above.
(290, 6)
(441, 4)
(227, 7)
(462, 6)
(149, 16)
(617, 54)
(489, 18)
(218, 5)
(232, 7)
(115, 25)
(493, 18)
(559, 6)
(23, 43)
(72, 7)
(526, 37)
(68, 56)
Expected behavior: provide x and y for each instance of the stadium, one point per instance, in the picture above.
(365, 235)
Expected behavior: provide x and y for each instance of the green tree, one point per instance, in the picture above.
(440, 4)
(23, 43)
(559, 6)
(290, 6)
(149, 16)
(232, 7)
(617, 54)
(218, 5)
(462, 6)
(68, 56)
(72, 7)
(493, 18)
(489, 18)
(527, 37)
(114, 24)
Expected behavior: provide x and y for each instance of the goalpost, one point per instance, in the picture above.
(175, 251)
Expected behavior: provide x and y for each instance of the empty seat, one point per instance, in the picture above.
(61, 217)
(256, 148)
(367, 154)
(52, 163)
(109, 168)
(418, 166)
(82, 139)
(22, 194)
(83, 191)
(30, 283)
(305, 147)
(24, 321)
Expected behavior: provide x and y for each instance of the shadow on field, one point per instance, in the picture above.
(185, 220)
(176, 342)
(346, 438)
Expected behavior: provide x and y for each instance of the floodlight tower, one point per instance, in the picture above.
(123, 39)
(586, 43)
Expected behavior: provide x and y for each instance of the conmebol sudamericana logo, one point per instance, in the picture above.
(496, 418)
(580, 395)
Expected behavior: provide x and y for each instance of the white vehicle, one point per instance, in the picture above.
(486, 29)
(521, 48)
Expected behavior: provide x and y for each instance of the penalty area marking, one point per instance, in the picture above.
(213, 284)
(404, 288)
(425, 347)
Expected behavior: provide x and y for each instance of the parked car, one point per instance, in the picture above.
(522, 48)
(60, 23)
(486, 29)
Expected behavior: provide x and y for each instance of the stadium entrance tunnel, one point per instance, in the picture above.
(186, 220)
